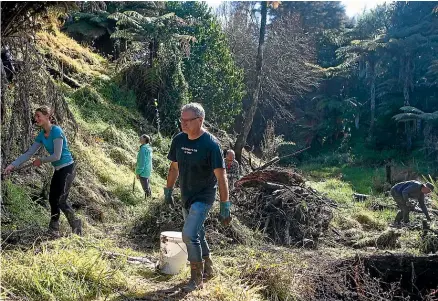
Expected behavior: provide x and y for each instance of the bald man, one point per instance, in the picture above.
(232, 167)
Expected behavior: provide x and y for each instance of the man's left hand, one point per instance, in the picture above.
(225, 214)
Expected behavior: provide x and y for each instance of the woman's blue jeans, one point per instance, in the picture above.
(193, 232)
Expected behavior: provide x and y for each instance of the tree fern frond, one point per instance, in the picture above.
(127, 35)
(405, 117)
(409, 109)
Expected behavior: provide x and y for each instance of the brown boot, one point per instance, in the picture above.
(54, 229)
(74, 222)
(77, 227)
(195, 282)
(208, 267)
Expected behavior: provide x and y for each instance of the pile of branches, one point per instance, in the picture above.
(277, 202)
(161, 217)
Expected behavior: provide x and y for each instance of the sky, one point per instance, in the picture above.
(352, 7)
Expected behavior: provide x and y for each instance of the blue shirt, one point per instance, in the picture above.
(55, 133)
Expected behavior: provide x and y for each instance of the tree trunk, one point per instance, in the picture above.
(249, 116)
(372, 96)
(408, 129)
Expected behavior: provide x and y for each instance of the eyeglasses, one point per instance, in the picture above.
(187, 120)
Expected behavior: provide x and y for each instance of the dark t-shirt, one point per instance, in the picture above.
(409, 189)
(196, 161)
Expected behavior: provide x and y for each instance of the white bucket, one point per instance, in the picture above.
(173, 255)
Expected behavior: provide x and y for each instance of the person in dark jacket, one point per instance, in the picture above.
(403, 191)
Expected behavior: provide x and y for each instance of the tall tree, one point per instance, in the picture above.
(249, 115)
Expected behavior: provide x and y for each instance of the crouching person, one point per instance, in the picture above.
(402, 192)
(197, 159)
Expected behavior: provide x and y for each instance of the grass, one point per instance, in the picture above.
(73, 57)
(71, 268)
(362, 179)
(351, 214)
(23, 212)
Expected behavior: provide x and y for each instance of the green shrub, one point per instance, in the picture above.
(160, 165)
(111, 91)
(287, 148)
(121, 156)
(119, 138)
(87, 96)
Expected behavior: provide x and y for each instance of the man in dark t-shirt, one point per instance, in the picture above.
(197, 160)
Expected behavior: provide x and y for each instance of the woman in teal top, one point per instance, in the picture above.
(143, 169)
(54, 141)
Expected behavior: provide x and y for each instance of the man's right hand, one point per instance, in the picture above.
(168, 196)
(225, 214)
(9, 169)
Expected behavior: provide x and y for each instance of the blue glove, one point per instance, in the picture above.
(225, 214)
(168, 196)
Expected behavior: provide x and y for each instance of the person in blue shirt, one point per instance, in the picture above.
(143, 169)
(54, 141)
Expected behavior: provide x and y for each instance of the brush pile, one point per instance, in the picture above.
(277, 202)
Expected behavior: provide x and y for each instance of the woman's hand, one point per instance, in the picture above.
(9, 169)
(37, 162)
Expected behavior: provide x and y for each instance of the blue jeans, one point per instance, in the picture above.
(193, 233)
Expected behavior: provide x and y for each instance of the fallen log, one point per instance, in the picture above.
(68, 80)
(358, 197)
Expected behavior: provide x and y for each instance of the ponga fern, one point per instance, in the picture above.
(411, 113)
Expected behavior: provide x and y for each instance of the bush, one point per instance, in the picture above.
(115, 94)
(118, 138)
(160, 166)
(286, 148)
(121, 156)
(87, 96)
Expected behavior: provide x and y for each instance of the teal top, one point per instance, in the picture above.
(56, 133)
(144, 161)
